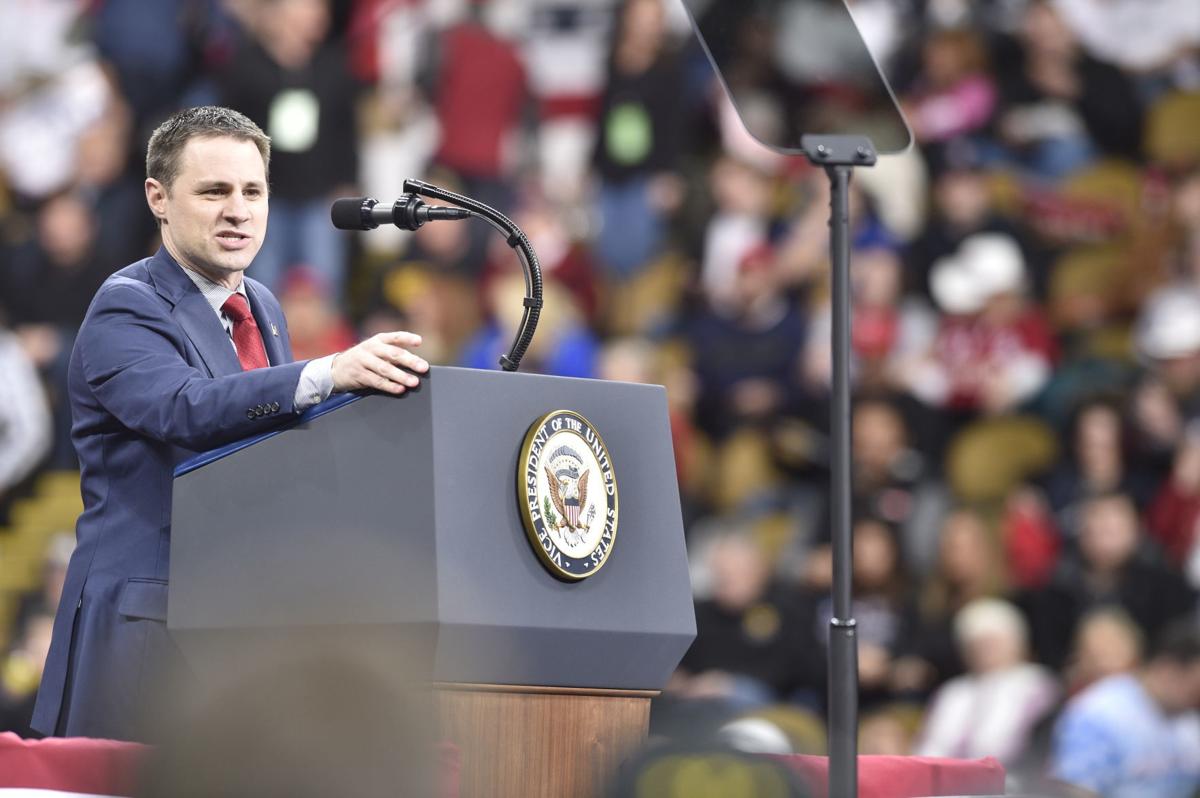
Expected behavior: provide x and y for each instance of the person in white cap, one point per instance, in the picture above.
(1167, 339)
(993, 350)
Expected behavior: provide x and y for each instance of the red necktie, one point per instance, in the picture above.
(246, 337)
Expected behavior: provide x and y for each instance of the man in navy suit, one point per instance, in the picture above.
(179, 353)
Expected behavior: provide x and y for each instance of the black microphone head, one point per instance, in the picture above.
(353, 213)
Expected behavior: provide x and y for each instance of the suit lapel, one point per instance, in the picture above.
(268, 327)
(194, 315)
(204, 330)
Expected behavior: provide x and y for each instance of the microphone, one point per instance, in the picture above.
(408, 213)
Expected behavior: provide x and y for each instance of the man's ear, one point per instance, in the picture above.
(156, 198)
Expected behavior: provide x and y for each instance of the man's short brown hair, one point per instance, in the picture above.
(168, 140)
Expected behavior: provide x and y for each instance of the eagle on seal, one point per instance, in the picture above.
(569, 495)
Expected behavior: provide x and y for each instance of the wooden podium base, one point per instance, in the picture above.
(555, 742)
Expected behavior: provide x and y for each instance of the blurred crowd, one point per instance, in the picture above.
(1026, 331)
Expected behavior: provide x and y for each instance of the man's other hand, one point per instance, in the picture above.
(383, 362)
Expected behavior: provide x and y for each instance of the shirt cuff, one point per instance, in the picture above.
(316, 383)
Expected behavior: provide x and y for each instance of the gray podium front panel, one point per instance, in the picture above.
(400, 515)
(589, 633)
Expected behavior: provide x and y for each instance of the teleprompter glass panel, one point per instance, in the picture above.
(797, 67)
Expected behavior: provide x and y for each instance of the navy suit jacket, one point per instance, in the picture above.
(153, 379)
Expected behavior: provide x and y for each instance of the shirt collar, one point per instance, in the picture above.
(216, 295)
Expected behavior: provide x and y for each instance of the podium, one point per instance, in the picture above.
(394, 524)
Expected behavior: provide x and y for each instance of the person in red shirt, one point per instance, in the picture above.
(994, 350)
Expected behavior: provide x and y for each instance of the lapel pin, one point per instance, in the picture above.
(274, 331)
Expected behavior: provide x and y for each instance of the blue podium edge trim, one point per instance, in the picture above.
(314, 412)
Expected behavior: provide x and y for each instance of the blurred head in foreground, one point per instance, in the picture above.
(686, 771)
(324, 727)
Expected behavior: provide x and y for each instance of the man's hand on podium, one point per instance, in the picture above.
(379, 363)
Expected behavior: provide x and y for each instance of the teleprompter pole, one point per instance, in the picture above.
(838, 155)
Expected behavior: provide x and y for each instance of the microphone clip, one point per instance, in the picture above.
(406, 212)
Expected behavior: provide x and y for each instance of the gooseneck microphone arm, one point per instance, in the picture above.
(410, 212)
(517, 240)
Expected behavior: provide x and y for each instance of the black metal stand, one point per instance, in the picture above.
(838, 155)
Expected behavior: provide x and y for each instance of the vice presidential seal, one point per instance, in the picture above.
(568, 495)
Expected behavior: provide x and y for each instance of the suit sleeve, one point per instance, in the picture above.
(133, 358)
